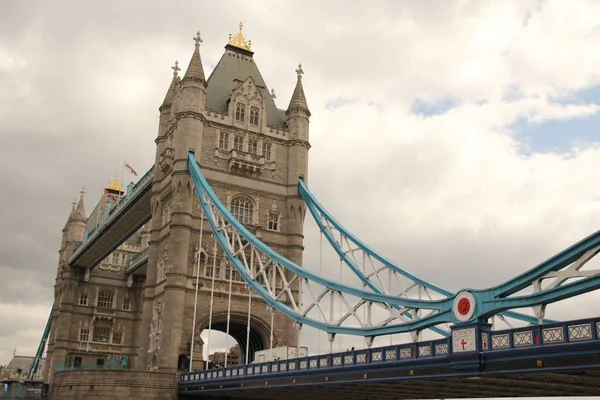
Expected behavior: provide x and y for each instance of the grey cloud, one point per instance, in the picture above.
(84, 91)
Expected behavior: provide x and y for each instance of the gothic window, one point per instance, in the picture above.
(223, 140)
(232, 273)
(238, 143)
(240, 109)
(101, 333)
(84, 335)
(252, 146)
(83, 299)
(105, 299)
(126, 303)
(242, 209)
(267, 151)
(208, 270)
(254, 115)
(117, 337)
(273, 222)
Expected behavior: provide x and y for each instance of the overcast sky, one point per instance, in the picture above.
(459, 138)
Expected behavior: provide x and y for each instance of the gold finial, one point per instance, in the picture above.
(238, 39)
(115, 185)
(176, 68)
(299, 71)
(82, 192)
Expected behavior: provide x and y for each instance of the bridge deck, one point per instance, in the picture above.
(559, 360)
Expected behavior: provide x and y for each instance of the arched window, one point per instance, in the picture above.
(240, 110)
(105, 299)
(101, 333)
(254, 115)
(83, 299)
(242, 209)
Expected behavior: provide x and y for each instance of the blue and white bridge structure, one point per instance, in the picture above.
(380, 299)
(384, 303)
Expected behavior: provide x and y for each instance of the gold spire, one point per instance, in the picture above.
(238, 40)
(115, 185)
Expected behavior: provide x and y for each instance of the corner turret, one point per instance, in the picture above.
(77, 221)
(298, 116)
(193, 85)
(298, 106)
(165, 107)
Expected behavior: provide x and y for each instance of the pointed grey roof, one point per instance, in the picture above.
(195, 72)
(172, 88)
(298, 100)
(234, 67)
(78, 213)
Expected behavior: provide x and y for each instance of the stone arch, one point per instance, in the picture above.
(259, 331)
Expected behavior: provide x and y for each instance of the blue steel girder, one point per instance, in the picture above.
(348, 245)
(264, 264)
(464, 306)
(129, 215)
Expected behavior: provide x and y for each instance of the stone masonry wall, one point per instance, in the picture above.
(114, 385)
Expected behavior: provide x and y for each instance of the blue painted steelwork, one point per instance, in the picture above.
(443, 306)
(113, 213)
(319, 213)
(40, 351)
(487, 302)
(137, 261)
(507, 343)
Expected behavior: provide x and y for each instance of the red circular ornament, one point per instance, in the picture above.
(463, 307)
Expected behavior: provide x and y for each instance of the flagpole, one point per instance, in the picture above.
(122, 183)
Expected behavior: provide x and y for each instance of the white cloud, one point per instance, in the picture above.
(451, 197)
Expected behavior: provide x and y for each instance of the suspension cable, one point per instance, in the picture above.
(274, 286)
(390, 292)
(340, 297)
(249, 309)
(196, 294)
(231, 268)
(212, 294)
(320, 273)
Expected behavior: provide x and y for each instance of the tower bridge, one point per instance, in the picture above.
(211, 237)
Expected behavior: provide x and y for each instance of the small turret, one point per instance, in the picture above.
(171, 93)
(193, 85)
(298, 117)
(298, 106)
(77, 221)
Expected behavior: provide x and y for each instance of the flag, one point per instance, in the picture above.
(130, 169)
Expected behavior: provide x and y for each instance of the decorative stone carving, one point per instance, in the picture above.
(86, 276)
(166, 157)
(161, 273)
(198, 342)
(130, 281)
(156, 328)
(166, 213)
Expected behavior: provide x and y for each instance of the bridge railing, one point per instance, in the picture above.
(123, 202)
(518, 338)
(137, 260)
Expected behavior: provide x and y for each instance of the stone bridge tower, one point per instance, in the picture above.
(252, 154)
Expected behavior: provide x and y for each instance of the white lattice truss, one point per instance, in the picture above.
(555, 279)
(379, 274)
(281, 285)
